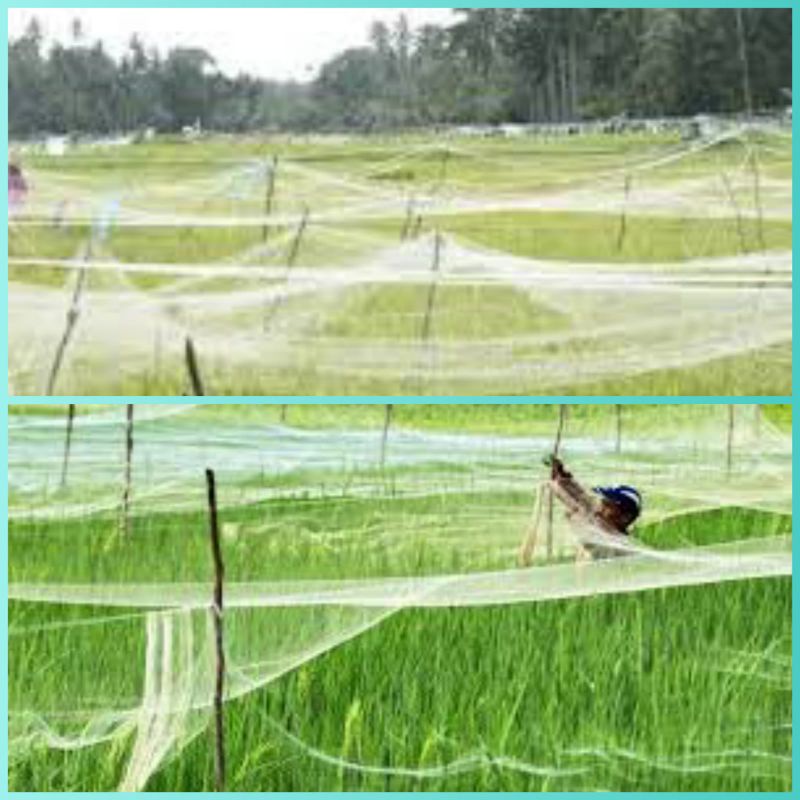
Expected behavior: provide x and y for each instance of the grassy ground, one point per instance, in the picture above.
(347, 184)
(681, 689)
(669, 690)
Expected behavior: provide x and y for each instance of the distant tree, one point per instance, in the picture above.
(490, 65)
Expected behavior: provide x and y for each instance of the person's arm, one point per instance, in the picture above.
(568, 490)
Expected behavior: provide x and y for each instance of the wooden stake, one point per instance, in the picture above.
(217, 614)
(73, 312)
(730, 438)
(124, 520)
(623, 220)
(562, 415)
(294, 250)
(748, 103)
(387, 421)
(437, 256)
(269, 196)
(284, 412)
(193, 369)
(67, 443)
(618, 447)
(406, 229)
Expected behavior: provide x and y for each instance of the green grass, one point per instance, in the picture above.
(642, 692)
(172, 178)
(681, 689)
(461, 312)
(587, 237)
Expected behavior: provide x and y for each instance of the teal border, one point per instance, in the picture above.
(6, 400)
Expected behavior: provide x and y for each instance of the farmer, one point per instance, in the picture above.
(17, 187)
(611, 509)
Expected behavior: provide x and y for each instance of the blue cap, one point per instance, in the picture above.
(625, 496)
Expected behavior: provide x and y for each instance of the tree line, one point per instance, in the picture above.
(488, 66)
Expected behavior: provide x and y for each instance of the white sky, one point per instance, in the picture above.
(280, 43)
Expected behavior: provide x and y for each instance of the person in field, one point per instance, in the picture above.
(17, 188)
(612, 510)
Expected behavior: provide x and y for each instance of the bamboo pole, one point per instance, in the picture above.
(748, 103)
(269, 196)
(124, 521)
(623, 219)
(406, 229)
(562, 416)
(67, 444)
(219, 642)
(387, 422)
(193, 368)
(729, 457)
(294, 250)
(429, 307)
(291, 259)
(73, 312)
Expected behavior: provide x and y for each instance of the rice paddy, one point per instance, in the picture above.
(379, 635)
(448, 265)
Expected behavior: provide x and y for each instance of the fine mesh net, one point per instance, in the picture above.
(332, 522)
(538, 268)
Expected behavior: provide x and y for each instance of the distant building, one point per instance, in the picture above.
(55, 145)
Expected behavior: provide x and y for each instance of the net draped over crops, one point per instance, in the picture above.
(345, 525)
(407, 267)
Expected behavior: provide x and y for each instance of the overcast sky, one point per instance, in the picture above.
(278, 43)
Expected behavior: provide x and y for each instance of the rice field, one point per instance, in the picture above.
(379, 635)
(423, 265)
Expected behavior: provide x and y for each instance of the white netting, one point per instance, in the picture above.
(386, 289)
(328, 532)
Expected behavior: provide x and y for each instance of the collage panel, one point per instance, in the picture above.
(600, 205)
(400, 598)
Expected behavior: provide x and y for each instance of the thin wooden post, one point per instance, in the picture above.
(124, 521)
(730, 438)
(406, 229)
(618, 445)
(294, 250)
(219, 640)
(435, 264)
(73, 312)
(193, 368)
(748, 103)
(623, 219)
(67, 444)
(269, 197)
(387, 422)
(562, 416)
(758, 421)
(284, 412)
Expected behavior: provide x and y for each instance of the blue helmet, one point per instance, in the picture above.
(625, 496)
